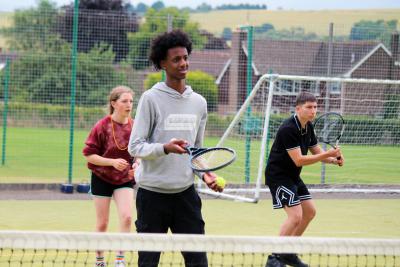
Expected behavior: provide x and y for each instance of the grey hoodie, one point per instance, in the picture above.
(163, 114)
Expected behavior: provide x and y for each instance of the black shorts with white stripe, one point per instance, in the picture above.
(288, 193)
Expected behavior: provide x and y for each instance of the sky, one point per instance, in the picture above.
(10, 5)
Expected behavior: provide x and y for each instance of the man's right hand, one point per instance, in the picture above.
(176, 146)
(334, 152)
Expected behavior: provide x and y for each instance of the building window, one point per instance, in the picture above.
(293, 87)
(335, 87)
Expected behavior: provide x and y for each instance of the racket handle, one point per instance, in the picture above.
(336, 145)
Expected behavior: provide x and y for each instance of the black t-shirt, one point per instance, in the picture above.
(280, 166)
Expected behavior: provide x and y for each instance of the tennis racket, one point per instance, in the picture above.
(329, 128)
(210, 159)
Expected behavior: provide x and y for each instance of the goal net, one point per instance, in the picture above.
(370, 142)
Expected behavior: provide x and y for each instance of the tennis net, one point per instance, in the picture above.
(27, 248)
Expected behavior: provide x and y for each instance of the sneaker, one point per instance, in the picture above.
(100, 264)
(120, 263)
(273, 261)
(291, 260)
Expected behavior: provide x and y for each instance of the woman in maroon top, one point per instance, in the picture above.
(111, 165)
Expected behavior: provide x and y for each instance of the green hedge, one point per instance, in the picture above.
(217, 124)
(200, 82)
(50, 116)
(357, 131)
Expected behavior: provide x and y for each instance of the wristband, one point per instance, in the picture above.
(165, 150)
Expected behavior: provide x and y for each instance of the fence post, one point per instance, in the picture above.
(5, 111)
(73, 87)
(249, 83)
(169, 29)
(327, 93)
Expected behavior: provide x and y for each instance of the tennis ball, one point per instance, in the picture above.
(220, 181)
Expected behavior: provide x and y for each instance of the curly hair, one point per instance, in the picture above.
(165, 41)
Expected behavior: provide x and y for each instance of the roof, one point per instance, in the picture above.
(211, 61)
(10, 55)
(308, 58)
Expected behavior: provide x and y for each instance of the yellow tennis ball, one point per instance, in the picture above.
(220, 181)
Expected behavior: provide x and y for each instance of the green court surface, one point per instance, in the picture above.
(362, 218)
(359, 218)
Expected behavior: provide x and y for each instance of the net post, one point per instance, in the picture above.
(264, 137)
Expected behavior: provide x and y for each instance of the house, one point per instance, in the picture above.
(216, 63)
(351, 59)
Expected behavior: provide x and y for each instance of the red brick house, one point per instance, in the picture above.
(352, 59)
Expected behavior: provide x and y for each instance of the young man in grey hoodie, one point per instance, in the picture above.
(169, 116)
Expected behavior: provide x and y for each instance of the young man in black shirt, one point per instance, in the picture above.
(294, 139)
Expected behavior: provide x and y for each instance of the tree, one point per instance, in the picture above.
(204, 8)
(240, 6)
(263, 28)
(129, 8)
(141, 8)
(294, 33)
(227, 33)
(158, 5)
(45, 76)
(100, 21)
(372, 30)
(32, 27)
(155, 23)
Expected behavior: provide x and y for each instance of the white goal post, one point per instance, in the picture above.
(362, 101)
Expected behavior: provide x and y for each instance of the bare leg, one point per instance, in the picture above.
(124, 201)
(293, 220)
(102, 205)
(309, 211)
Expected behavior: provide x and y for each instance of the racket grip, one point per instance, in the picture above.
(335, 146)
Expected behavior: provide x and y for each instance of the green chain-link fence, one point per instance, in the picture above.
(44, 82)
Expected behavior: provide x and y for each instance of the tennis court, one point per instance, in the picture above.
(54, 84)
(337, 218)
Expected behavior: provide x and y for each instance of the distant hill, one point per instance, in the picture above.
(311, 21)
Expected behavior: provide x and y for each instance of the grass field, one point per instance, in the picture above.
(39, 155)
(311, 21)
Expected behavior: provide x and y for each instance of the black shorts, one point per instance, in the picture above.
(288, 193)
(179, 212)
(158, 212)
(101, 188)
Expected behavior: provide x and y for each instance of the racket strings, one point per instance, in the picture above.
(329, 128)
(212, 159)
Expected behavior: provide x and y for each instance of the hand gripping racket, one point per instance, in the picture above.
(329, 128)
(210, 159)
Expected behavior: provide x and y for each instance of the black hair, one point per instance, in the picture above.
(304, 97)
(165, 41)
